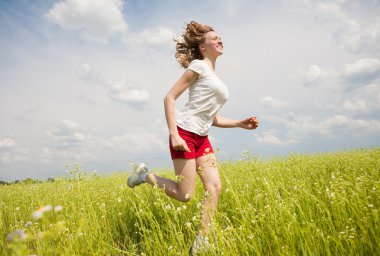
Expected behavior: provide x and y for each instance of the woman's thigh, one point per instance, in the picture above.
(208, 171)
(185, 170)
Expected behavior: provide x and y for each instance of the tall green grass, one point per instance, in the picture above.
(321, 204)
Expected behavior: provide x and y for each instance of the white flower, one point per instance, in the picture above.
(46, 208)
(18, 234)
(58, 208)
(28, 224)
(119, 199)
(168, 207)
(40, 212)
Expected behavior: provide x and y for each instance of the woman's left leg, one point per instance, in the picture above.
(208, 172)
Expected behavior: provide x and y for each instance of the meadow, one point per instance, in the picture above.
(316, 204)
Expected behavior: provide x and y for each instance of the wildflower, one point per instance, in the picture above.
(40, 212)
(28, 224)
(40, 235)
(184, 207)
(18, 234)
(168, 207)
(187, 224)
(58, 208)
(370, 205)
(17, 208)
(119, 199)
(178, 209)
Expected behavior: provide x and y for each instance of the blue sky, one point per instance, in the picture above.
(83, 81)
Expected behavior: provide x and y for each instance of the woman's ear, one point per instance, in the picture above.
(202, 47)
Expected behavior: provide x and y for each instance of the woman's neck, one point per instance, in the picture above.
(210, 61)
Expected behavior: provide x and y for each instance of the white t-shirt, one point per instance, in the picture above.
(206, 97)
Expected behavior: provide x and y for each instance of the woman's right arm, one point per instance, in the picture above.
(185, 81)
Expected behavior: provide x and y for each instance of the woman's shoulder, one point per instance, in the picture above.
(197, 65)
(196, 62)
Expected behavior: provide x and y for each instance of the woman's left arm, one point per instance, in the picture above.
(249, 123)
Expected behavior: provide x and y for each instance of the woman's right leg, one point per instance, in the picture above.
(183, 189)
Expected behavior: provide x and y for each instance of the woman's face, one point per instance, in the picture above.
(212, 45)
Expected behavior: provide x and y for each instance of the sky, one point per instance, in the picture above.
(83, 81)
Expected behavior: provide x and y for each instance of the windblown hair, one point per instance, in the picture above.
(187, 47)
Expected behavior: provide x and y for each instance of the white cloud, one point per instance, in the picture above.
(361, 72)
(117, 91)
(129, 94)
(356, 106)
(347, 31)
(11, 152)
(316, 76)
(160, 36)
(231, 7)
(269, 101)
(300, 127)
(67, 134)
(87, 74)
(137, 141)
(96, 21)
(352, 75)
(271, 138)
(67, 142)
(7, 143)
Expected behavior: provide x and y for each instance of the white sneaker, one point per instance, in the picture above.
(139, 176)
(200, 245)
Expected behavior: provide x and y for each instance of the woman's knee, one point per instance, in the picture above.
(186, 196)
(214, 189)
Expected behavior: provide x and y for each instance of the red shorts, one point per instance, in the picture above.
(198, 145)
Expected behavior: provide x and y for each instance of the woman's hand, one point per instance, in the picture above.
(179, 144)
(249, 123)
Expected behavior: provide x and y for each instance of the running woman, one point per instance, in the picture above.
(190, 148)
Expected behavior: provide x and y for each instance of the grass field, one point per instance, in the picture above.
(320, 204)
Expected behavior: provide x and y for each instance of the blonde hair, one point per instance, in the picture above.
(187, 47)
